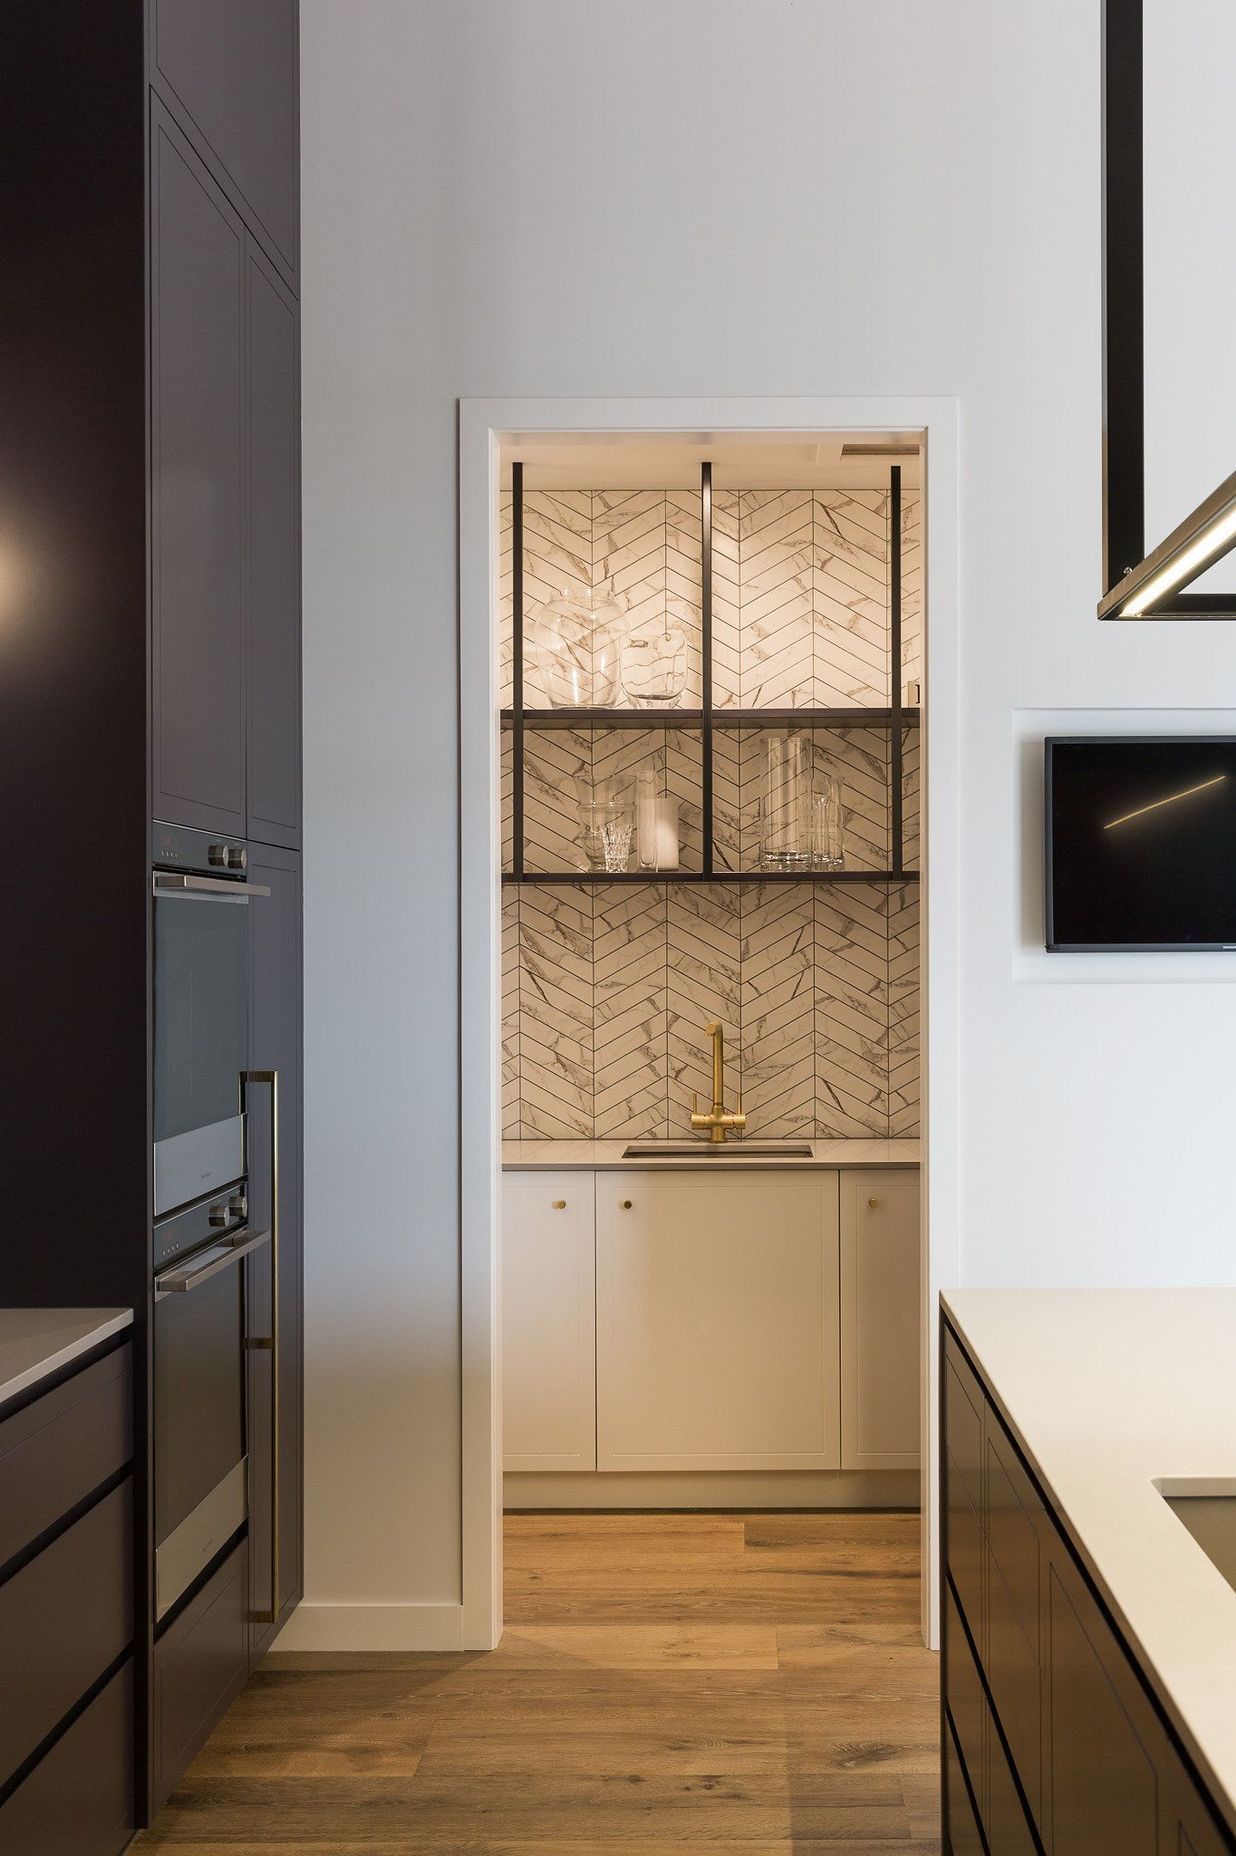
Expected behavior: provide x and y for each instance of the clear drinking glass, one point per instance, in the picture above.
(827, 833)
(785, 805)
(595, 804)
(616, 834)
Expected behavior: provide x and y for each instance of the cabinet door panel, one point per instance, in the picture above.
(197, 492)
(1015, 1537)
(273, 786)
(1188, 1826)
(880, 1320)
(717, 1321)
(548, 1331)
(963, 1832)
(962, 1464)
(967, 1705)
(1103, 1744)
(232, 68)
(275, 1044)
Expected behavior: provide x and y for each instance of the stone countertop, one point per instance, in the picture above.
(606, 1157)
(37, 1342)
(1108, 1391)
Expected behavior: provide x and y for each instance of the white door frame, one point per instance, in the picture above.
(483, 425)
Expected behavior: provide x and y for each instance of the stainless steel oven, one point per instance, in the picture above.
(202, 1231)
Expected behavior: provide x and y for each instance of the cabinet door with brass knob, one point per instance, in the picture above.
(548, 1321)
(717, 1321)
(880, 1319)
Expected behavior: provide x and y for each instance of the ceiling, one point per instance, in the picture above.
(748, 461)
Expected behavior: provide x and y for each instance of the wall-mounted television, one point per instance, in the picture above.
(1141, 842)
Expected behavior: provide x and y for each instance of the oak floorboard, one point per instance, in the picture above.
(745, 1684)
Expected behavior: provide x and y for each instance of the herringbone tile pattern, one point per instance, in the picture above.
(816, 986)
(903, 1010)
(607, 991)
(851, 1011)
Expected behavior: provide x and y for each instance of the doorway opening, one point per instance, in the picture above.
(708, 685)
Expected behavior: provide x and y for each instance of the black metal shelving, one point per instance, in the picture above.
(707, 720)
(690, 719)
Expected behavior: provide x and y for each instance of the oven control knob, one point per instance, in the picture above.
(237, 857)
(218, 856)
(220, 1217)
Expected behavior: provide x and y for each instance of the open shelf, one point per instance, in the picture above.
(719, 718)
(714, 876)
(708, 721)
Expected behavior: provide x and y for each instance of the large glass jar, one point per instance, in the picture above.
(574, 641)
(654, 660)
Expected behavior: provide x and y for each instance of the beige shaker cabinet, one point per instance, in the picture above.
(717, 1321)
(548, 1320)
(880, 1319)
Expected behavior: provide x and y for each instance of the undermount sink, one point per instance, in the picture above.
(717, 1150)
(1208, 1510)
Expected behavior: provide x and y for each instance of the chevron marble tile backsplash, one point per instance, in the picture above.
(607, 990)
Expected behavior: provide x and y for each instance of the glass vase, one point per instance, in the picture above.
(574, 643)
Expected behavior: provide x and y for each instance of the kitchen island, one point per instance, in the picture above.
(1090, 1642)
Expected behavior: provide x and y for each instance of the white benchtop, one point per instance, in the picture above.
(1108, 1390)
(606, 1157)
(37, 1342)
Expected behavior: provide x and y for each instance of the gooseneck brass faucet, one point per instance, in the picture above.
(716, 1120)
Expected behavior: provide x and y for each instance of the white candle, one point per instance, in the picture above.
(667, 833)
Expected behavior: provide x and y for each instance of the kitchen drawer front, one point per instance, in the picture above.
(1004, 1815)
(78, 1801)
(200, 1666)
(963, 1831)
(64, 1619)
(966, 1702)
(57, 1450)
(1105, 1751)
(1016, 1542)
(963, 1466)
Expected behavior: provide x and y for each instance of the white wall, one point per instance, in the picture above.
(539, 197)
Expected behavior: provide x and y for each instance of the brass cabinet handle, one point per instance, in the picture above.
(272, 1078)
(626, 1205)
(873, 1203)
(559, 1205)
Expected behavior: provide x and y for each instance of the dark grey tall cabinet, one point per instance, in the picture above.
(150, 669)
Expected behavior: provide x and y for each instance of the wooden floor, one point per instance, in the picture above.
(739, 1683)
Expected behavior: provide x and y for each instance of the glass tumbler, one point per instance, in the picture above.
(827, 836)
(785, 829)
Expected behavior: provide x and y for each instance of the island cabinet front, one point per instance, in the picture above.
(1051, 1741)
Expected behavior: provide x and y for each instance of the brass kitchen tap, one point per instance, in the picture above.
(716, 1120)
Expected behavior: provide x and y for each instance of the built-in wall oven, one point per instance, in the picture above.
(203, 1230)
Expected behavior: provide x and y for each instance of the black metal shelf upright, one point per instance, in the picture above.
(708, 720)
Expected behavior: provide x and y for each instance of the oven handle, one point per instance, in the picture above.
(271, 1079)
(178, 1281)
(210, 888)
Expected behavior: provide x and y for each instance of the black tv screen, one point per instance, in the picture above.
(1141, 842)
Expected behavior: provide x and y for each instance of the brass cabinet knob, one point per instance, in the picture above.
(873, 1203)
(559, 1205)
(626, 1205)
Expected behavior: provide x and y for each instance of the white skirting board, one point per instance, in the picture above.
(701, 1489)
(333, 1628)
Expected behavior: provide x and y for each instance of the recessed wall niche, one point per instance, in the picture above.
(607, 988)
